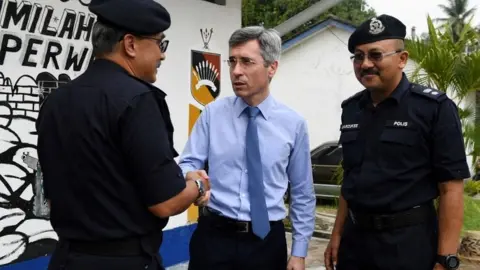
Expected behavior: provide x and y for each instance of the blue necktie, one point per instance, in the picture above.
(258, 207)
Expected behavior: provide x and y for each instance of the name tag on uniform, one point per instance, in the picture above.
(399, 123)
(349, 127)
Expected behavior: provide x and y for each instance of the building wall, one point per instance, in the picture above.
(315, 76)
(46, 43)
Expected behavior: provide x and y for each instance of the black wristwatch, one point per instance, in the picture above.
(450, 262)
(201, 188)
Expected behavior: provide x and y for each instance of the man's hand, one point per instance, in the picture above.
(296, 263)
(194, 175)
(199, 174)
(202, 201)
(202, 175)
(438, 267)
(331, 253)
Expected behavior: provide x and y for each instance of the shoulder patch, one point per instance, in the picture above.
(357, 96)
(429, 93)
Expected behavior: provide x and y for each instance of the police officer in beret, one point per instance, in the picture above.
(106, 149)
(402, 148)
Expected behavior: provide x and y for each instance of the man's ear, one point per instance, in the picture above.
(129, 45)
(272, 69)
(403, 59)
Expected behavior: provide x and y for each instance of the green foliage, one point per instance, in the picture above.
(472, 188)
(471, 214)
(442, 63)
(338, 174)
(458, 14)
(276, 12)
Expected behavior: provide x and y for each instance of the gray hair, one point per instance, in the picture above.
(104, 38)
(268, 39)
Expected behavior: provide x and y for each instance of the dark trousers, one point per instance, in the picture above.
(65, 259)
(412, 247)
(215, 248)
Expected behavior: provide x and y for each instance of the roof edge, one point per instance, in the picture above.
(331, 20)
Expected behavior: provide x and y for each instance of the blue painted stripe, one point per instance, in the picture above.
(329, 22)
(174, 250)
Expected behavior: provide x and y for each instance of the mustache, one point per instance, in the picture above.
(369, 71)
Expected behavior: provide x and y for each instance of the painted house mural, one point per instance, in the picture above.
(43, 44)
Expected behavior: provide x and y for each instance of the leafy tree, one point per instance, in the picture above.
(443, 63)
(458, 15)
(274, 12)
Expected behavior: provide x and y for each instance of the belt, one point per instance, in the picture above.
(226, 223)
(129, 246)
(133, 246)
(416, 215)
(124, 247)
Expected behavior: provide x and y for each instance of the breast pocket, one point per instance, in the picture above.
(352, 151)
(398, 146)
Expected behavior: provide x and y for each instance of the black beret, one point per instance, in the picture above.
(141, 17)
(376, 29)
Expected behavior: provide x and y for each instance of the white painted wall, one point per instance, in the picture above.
(313, 78)
(19, 93)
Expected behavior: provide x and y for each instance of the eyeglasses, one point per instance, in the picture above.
(374, 56)
(162, 44)
(244, 62)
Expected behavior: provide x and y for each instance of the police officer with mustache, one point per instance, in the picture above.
(402, 148)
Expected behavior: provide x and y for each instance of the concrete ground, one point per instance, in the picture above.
(314, 260)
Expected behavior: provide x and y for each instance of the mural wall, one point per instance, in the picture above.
(205, 87)
(43, 44)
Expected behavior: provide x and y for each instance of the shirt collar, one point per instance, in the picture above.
(396, 95)
(101, 64)
(265, 107)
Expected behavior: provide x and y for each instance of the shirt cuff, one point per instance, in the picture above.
(300, 249)
(185, 170)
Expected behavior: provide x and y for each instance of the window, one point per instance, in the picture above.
(331, 155)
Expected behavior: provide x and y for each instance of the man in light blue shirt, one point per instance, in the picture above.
(255, 147)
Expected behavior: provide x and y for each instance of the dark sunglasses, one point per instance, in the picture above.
(162, 44)
(372, 56)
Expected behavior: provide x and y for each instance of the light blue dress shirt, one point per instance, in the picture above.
(219, 137)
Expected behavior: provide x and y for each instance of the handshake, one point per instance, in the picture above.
(202, 176)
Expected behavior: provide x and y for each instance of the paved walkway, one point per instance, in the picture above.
(314, 260)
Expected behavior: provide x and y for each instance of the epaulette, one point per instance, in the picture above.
(429, 93)
(357, 96)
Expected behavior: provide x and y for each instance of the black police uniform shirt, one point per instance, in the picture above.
(106, 153)
(396, 153)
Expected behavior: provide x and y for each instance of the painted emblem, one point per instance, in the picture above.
(206, 36)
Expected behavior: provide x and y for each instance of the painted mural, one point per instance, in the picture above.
(43, 44)
(204, 87)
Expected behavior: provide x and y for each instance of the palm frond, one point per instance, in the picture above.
(443, 62)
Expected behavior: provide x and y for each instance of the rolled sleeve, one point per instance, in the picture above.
(449, 158)
(145, 143)
(302, 207)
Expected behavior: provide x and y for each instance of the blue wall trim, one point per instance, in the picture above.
(329, 22)
(174, 250)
